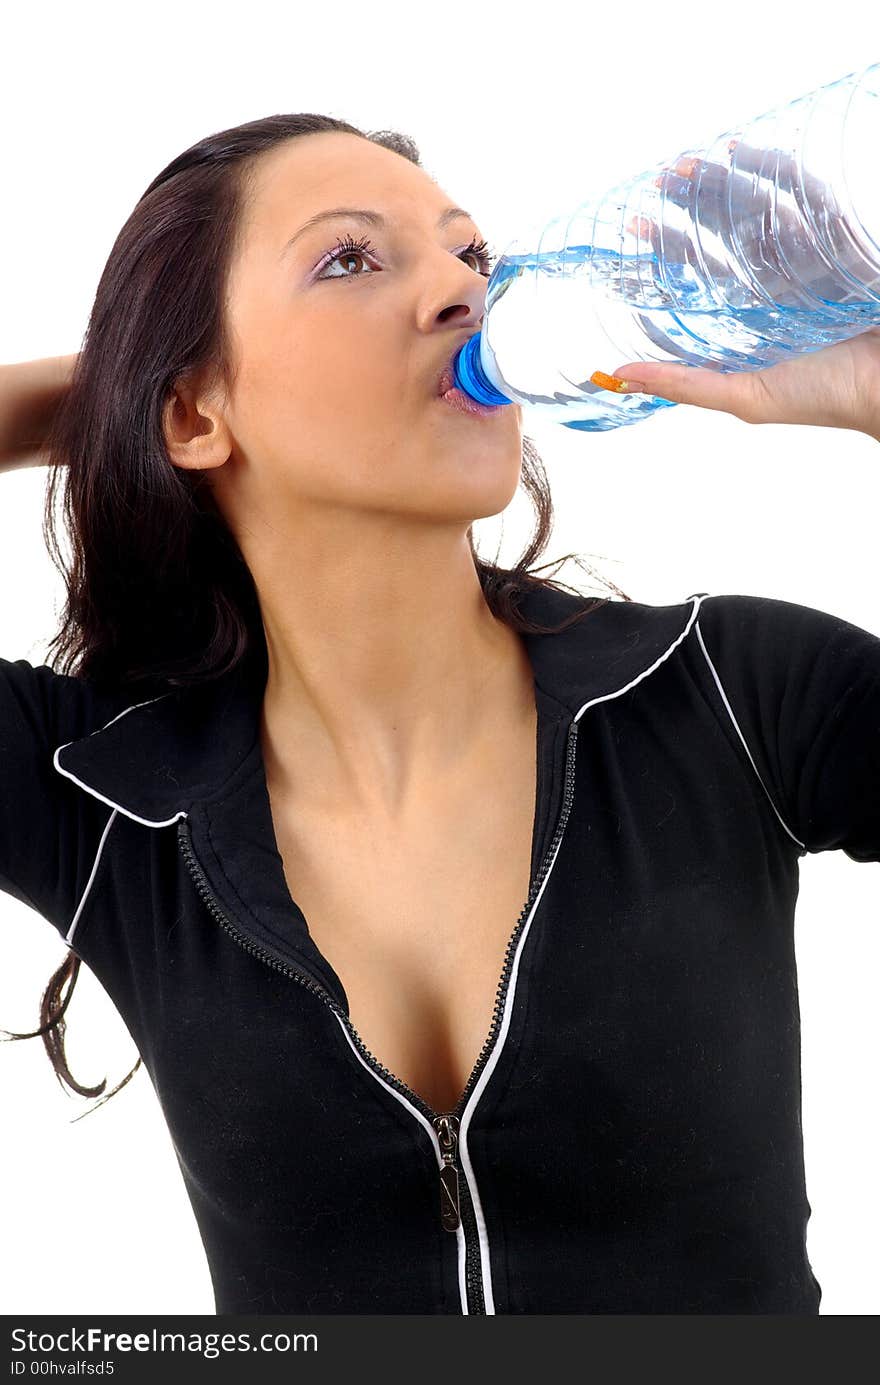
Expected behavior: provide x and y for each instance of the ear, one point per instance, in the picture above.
(196, 433)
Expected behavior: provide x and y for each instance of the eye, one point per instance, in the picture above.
(483, 253)
(347, 249)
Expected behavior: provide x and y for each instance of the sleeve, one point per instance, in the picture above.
(50, 831)
(803, 686)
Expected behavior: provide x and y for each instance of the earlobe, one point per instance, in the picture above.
(201, 452)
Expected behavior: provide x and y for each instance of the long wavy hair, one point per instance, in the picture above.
(158, 593)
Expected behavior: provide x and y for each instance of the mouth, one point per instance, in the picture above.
(459, 399)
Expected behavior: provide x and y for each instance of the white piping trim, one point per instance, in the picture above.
(699, 598)
(462, 1284)
(726, 702)
(482, 1233)
(79, 908)
(474, 1097)
(511, 990)
(470, 1107)
(145, 822)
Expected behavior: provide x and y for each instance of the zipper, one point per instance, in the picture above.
(450, 1209)
(456, 1209)
(456, 1205)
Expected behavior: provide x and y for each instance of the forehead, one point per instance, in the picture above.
(313, 172)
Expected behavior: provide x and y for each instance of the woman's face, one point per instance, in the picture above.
(335, 403)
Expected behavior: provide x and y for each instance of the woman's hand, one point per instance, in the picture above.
(834, 387)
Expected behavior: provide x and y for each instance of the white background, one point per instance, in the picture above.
(512, 117)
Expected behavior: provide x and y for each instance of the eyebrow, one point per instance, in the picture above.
(371, 217)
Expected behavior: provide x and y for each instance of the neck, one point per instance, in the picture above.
(381, 681)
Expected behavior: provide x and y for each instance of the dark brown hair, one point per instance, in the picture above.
(158, 593)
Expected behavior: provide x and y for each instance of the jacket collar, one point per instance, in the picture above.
(157, 760)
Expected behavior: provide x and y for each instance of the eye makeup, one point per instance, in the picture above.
(363, 247)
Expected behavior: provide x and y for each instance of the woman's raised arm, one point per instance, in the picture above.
(29, 394)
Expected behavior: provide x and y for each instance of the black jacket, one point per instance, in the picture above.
(629, 1140)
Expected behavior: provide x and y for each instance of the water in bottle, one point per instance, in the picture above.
(733, 256)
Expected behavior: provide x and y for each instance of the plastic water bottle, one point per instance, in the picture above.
(733, 256)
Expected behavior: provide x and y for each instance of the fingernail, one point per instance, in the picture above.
(611, 382)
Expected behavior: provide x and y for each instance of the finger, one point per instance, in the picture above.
(732, 393)
(642, 227)
(721, 196)
(723, 186)
(745, 192)
(672, 254)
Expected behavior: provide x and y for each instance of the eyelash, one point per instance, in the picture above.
(365, 247)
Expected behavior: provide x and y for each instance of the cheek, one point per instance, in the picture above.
(300, 401)
(341, 373)
(347, 335)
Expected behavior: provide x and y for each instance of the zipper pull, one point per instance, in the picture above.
(447, 1132)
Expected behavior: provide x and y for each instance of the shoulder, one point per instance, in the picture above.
(766, 631)
(44, 708)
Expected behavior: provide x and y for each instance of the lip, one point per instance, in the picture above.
(447, 374)
(463, 402)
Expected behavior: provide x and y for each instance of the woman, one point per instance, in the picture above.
(315, 754)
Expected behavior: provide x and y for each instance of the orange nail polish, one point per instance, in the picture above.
(610, 382)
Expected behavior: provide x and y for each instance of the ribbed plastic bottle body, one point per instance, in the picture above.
(768, 247)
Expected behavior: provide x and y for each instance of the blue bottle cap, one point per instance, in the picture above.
(470, 377)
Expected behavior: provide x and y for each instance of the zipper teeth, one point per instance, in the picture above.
(501, 993)
(285, 967)
(473, 1275)
(273, 961)
(473, 1271)
(313, 986)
